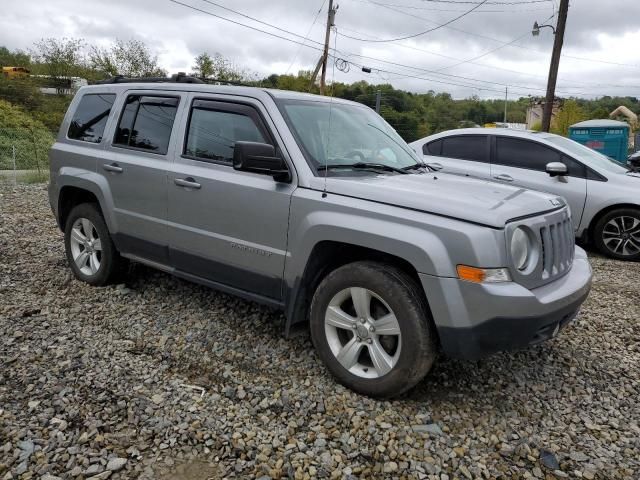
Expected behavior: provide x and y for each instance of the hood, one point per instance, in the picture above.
(465, 198)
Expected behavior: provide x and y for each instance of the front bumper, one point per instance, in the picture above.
(476, 320)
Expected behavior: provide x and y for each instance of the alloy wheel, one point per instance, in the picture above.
(363, 332)
(621, 235)
(86, 247)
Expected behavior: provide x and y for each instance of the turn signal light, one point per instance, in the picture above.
(483, 275)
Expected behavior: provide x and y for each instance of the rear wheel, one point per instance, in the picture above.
(90, 251)
(617, 234)
(372, 329)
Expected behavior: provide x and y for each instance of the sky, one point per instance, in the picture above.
(482, 53)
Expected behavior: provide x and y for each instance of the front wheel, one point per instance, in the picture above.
(371, 327)
(617, 234)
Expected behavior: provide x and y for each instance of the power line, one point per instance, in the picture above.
(470, 2)
(360, 56)
(477, 5)
(489, 52)
(249, 26)
(315, 19)
(486, 37)
(413, 7)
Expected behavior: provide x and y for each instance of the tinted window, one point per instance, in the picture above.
(432, 148)
(146, 123)
(471, 147)
(213, 132)
(517, 153)
(90, 117)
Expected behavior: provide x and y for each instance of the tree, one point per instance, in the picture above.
(17, 58)
(131, 59)
(204, 67)
(570, 113)
(59, 58)
(219, 68)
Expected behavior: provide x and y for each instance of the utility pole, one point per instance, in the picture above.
(378, 95)
(322, 63)
(555, 62)
(506, 96)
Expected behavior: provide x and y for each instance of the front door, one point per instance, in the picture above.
(523, 163)
(466, 155)
(135, 166)
(227, 226)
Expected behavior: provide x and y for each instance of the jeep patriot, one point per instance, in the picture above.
(317, 207)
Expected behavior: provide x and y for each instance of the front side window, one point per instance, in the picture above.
(90, 117)
(514, 152)
(471, 147)
(146, 123)
(214, 130)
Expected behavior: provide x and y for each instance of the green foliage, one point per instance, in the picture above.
(26, 138)
(131, 59)
(17, 58)
(570, 113)
(58, 58)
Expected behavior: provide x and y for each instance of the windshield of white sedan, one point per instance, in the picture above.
(588, 155)
(346, 137)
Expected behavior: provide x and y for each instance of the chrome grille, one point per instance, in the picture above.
(557, 248)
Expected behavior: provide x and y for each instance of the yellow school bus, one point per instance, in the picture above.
(15, 72)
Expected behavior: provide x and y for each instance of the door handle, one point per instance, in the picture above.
(113, 167)
(188, 182)
(504, 177)
(435, 166)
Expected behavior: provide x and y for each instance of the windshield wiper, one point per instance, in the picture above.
(363, 166)
(418, 166)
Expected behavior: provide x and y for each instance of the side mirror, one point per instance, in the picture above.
(557, 169)
(260, 158)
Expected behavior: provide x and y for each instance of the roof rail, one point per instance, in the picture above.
(180, 77)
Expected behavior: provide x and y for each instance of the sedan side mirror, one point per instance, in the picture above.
(557, 169)
(260, 158)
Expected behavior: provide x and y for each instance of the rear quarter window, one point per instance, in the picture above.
(90, 117)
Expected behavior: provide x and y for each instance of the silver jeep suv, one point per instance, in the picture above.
(317, 207)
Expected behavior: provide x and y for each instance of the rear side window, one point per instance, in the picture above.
(514, 152)
(90, 117)
(146, 122)
(468, 147)
(432, 148)
(215, 127)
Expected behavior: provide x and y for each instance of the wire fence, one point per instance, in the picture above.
(25, 149)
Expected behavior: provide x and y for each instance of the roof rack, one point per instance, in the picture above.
(180, 77)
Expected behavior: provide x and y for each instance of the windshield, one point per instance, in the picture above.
(355, 134)
(587, 155)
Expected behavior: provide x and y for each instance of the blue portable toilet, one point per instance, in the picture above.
(609, 137)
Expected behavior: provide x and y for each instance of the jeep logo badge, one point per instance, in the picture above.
(555, 202)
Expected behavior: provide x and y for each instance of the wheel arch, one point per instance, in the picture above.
(75, 186)
(326, 256)
(601, 213)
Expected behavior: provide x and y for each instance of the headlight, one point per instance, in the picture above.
(520, 248)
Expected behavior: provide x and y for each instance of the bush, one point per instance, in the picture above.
(20, 135)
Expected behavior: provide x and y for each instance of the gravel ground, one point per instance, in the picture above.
(160, 379)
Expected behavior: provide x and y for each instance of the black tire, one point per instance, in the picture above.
(630, 248)
(400, 292)
(111, 263)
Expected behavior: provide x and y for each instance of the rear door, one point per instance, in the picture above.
(523, 162)
(135, 166)
(227, 226)
(460, 154)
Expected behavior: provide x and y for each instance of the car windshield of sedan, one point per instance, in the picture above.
(340, 135)
(588, 155)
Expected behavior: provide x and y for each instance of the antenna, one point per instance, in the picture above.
(333, 77)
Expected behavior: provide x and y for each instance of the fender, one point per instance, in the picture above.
(94, 183)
